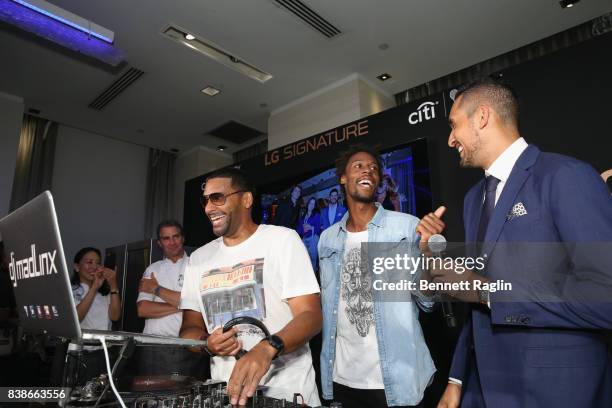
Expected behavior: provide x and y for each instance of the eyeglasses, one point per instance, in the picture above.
(217, 199)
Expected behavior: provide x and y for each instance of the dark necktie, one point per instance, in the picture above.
(487, 207)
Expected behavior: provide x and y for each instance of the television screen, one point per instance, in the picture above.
(312, 204)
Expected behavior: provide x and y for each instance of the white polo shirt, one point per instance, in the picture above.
(97, 317)
(170, 276)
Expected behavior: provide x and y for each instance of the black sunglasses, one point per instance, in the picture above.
(217, 199)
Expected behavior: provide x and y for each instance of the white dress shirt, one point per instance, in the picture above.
(503, 165)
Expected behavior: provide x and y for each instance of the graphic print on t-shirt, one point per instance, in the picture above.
(233, 291)
(356, 292)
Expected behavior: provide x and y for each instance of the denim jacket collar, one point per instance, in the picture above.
(377, 220)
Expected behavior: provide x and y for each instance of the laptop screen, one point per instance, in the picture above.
(38, 271)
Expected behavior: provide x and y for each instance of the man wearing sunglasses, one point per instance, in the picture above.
(261, 271)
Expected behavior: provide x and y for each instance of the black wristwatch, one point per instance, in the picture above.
(277, 343)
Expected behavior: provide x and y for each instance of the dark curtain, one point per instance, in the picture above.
(160, 190)
(35, 156)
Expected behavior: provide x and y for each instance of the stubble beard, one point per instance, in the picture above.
(470, 152)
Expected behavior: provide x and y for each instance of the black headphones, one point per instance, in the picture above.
(245, 320)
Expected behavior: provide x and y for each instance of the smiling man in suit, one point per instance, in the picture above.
(333, 212)
(528, 352)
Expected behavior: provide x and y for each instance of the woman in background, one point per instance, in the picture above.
(96, 295)
(309, 228)
(387, 195)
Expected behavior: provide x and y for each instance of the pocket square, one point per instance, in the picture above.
(517, 211)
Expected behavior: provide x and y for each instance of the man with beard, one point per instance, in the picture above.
(261, 271)
(374, 354)
(540, 344)
(333, 212)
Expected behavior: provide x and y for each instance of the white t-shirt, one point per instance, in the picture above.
(357, 362)
(97, 317)
(255, 278)
(170, 276)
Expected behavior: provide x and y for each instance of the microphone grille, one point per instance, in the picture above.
(437, 243)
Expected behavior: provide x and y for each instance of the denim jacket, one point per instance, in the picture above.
(407, 367)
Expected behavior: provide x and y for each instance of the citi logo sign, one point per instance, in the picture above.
(425, 111)
(32, 266)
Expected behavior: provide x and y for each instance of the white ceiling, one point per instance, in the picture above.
(427, 39)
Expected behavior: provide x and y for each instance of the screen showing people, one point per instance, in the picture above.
(312, 205)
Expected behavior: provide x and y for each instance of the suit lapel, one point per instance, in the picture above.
(474, 209)
(520, 173)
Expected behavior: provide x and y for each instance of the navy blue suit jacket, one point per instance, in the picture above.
(539, 353)
(340, 211)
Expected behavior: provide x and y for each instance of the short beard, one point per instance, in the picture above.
(363, 199)
(225, 228)
(470, 152)
(222, 232)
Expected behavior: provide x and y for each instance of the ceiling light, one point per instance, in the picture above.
(567, 3)
(210, 91)
(383, 77)
(221, 148)
(189, 37)
(217, 53)
(68, 18)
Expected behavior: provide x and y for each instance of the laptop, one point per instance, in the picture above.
(41, 279)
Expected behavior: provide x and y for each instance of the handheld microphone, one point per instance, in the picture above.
(437, 244)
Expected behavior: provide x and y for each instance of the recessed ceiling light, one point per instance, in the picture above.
(567, 3)
(383, 77)
(210, 91)
(189, 37)
(221, 148)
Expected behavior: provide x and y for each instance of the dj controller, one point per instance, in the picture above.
(172, 391)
